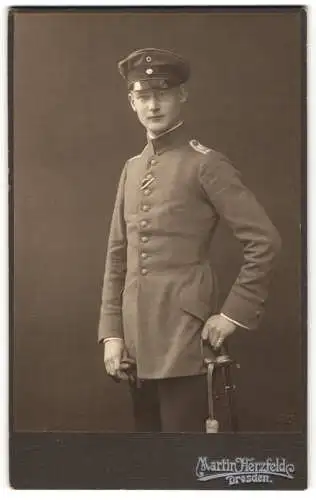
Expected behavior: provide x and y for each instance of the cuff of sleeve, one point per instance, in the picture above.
(111, 338)
(235, 322)
(247, 313)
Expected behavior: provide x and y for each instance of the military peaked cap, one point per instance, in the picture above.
(154, 68)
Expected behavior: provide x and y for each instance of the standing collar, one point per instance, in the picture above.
(167, 140)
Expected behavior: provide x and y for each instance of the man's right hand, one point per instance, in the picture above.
(113, 352)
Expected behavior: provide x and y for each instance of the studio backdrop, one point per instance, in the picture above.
(73, 130)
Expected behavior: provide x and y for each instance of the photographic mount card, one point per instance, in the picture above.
(122, 163)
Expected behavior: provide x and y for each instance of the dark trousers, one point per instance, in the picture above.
(171, 405)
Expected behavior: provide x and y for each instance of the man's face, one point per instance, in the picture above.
(158, 110)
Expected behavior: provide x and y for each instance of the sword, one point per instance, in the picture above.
(219, 363)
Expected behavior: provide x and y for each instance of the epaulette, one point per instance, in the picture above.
(197, 146)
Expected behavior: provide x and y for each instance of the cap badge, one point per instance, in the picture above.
(148, 59)
(149, 71)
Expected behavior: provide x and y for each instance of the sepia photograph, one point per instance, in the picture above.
(157, 245)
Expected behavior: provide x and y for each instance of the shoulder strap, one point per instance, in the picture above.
(197, 146)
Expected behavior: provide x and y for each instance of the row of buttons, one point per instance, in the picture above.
(145, 207)
(144, 255)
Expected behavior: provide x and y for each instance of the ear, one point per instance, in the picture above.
(131, 101)
(183, 93)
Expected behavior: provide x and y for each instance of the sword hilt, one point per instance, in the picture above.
(219, 357)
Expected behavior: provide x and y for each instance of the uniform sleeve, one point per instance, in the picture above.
(110, 324)
(252, 227)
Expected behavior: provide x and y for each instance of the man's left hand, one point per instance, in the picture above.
(216, 329)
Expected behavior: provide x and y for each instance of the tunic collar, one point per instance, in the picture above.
(168, 140)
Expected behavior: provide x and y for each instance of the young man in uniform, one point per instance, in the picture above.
(159, 294)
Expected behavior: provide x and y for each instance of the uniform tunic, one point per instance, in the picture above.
(159, 286)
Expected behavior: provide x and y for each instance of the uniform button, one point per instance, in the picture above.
(144, 223)
(147, 192)
(144, 255)
(152, 161)
(145, 208)
(144, 239)
(144, 270)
